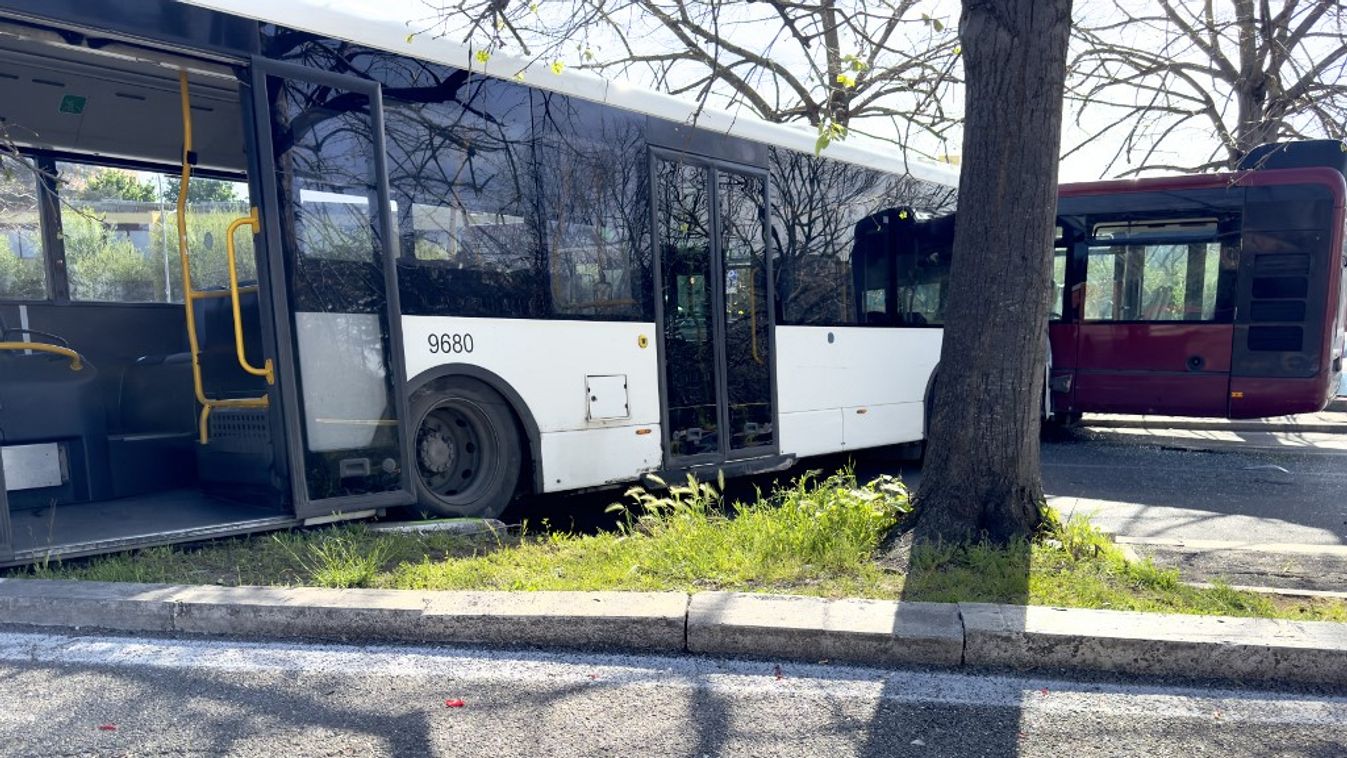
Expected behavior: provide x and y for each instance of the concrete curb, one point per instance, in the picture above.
(1180, 439)
(764, 626)
(644, 621)
(810, 628)
(1200, 425)
(1150, 643)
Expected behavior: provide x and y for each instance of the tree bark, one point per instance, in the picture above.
(981, 477)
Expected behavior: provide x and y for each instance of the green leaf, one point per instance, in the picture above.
(821, 142)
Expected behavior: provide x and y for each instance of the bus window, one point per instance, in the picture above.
(1153, 282)
(816, 204)
(120, 237)
(23, 274)
(923, 273)
(1058, 282)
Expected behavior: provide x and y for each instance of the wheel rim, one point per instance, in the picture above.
(453, 449)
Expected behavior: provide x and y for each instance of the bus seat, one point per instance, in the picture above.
(43, 401)
(221, 375)
(156, 396)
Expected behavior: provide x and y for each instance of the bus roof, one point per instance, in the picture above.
(362, 23)
(1306, 174)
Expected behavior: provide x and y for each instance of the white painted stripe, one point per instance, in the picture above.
(1028, 694)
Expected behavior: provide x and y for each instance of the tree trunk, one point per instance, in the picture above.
(981, 476)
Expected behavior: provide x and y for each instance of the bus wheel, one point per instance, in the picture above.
(467, 449)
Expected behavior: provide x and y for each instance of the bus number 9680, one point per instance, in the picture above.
(450, 343)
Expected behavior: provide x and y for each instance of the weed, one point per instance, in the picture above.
(341, 560)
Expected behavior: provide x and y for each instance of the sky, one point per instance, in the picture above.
(1088, 163)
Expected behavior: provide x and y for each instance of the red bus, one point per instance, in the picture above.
(1215, 295)
(1218, 295)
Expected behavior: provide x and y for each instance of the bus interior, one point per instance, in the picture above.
(99, 427)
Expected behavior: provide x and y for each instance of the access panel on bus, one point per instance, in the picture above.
(328, 239)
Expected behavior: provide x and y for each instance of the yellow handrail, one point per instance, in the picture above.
(190, 295)
(76, 362)
(252, 222)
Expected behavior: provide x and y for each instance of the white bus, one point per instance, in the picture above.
(268, 264)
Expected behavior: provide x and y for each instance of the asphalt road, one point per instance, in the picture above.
(1144, 488)
(72, 695)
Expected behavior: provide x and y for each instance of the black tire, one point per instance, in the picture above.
(467, 454)
(1059, 427)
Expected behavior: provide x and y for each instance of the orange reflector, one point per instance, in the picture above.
(643, 431)
(1236, 394)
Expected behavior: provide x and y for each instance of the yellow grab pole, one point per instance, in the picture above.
(252, 222)
(188, 294)
(76, 363)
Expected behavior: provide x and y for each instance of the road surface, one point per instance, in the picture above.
(73, 695)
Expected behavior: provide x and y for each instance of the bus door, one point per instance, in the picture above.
(715, 309)
(329, 243)
(1155, 330)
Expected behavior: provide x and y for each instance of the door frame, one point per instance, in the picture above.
(287, 363)
(6, 531)
(720, 348)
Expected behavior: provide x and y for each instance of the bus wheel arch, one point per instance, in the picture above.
(475, 398)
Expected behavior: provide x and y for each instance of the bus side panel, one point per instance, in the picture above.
(588, 437)
(1062, 343)
(594, 457)
(843, 388)
(1174, 368)
(1287, 299)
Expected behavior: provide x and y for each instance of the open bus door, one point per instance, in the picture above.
(329, 242)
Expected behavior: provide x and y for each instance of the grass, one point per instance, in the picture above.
(817, 537)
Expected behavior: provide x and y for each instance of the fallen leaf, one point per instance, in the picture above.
(593, 677)
(777, 671)
(107, 727)
(454, 702)
(1043, 692)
